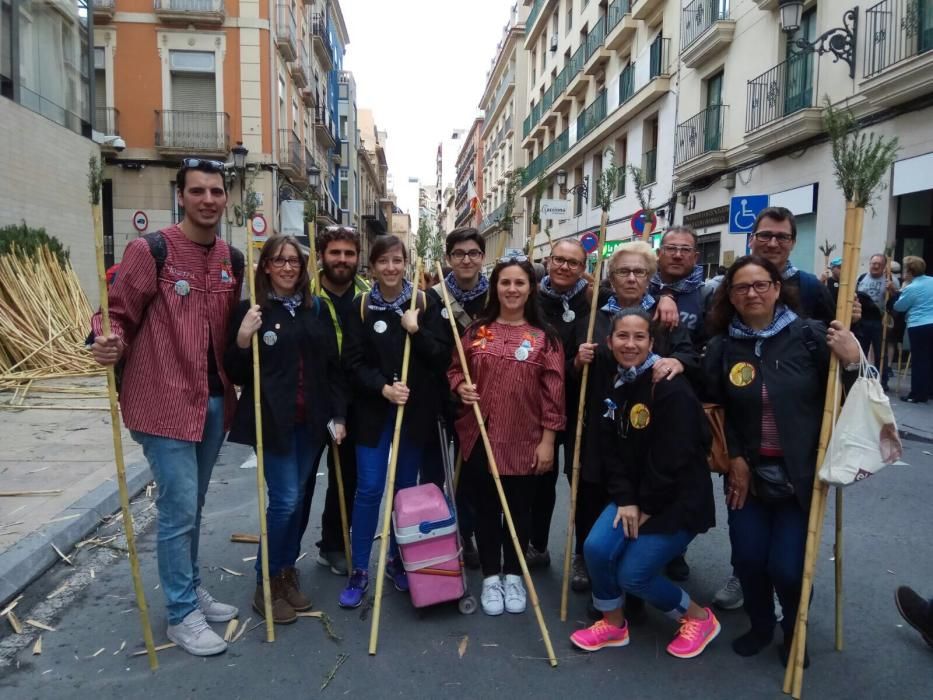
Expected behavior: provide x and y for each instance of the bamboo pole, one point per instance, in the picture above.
(117, 435)
(581, 405)
(390, 476)
(458, 467)
(793, 677)
(335, 448)
(260, 462)
(494, 469)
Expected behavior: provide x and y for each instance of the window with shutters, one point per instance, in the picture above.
(193, 121)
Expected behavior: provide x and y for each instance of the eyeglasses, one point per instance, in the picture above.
(760, 287)
(513, 258)
(279, 262)
(459, 255)
(675, 249)
(570, 263)
(768, 236)
(623, 272)
(203, 164)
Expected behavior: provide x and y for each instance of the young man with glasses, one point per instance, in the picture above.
(681, 279)
(169, 313)
(564, 302)
(338, 250)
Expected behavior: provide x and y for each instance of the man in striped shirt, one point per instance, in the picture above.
(169, 310)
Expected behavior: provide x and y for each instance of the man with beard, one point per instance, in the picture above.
(339, 251)
(870, 288)
(680, 278)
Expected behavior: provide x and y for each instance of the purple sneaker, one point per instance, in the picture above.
(352, 595)
(395, 572)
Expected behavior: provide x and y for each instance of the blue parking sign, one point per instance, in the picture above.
(743, 210)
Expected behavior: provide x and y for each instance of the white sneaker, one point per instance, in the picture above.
(493, 596)
(730, 596)
(515, 596)
(214, 610)
(778, 610)
(195, 636)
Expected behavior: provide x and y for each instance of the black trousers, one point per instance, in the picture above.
(331, 526)
(493, 541)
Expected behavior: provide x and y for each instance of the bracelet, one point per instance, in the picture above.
(852, 366)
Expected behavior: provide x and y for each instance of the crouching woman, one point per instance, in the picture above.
(652, 454)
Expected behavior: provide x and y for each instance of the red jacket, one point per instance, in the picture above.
(166, 325)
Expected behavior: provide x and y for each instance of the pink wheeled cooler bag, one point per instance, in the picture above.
(426, 532)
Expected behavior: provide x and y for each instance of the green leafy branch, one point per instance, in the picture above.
(95, 179)
(643, 193)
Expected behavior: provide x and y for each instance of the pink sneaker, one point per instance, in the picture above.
(694, 636)
(600, 636)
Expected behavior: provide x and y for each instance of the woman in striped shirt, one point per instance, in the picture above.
(517, 364)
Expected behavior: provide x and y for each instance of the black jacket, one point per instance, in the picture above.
(372, 360)
(793, 364)
(652, 451)
(309, 335)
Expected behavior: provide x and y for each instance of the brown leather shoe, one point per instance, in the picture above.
(298, 600)
(282, 612)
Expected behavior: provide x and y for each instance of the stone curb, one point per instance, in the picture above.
(31, 556)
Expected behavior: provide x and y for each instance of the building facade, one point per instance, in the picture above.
(469, 180)
(749, 122)
(375, 206)
(504, 107)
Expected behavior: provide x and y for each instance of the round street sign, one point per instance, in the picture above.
(589, 241)
(259, 225)
(640, 218)
(140, 221)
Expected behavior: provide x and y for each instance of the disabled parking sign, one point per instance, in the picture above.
(743, 210)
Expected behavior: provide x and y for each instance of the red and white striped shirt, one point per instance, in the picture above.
(520, 399)
(770, 445)
(166, 326)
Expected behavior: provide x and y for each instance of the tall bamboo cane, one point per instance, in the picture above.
(334, 447)
(260, 463)
(94, 186)
(494, 469)
(581, 404)
(390, 476)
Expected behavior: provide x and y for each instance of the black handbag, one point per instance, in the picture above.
(771, 483)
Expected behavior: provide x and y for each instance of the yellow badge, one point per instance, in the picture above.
(742, 374)
(639, 416)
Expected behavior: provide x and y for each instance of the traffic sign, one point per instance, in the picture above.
(140, 221)
(589, 241)
(743, 210)
(640, 218)
(259, 225)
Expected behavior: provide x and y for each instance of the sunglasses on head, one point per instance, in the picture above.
(513, 258)
(214, 166)
(339, 229)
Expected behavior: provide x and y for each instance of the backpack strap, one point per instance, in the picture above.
(158, 249)
(237, 261)
(364, 302)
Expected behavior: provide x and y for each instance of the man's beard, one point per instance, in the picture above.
(338, 275)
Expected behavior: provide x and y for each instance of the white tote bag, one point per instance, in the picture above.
(865, 439)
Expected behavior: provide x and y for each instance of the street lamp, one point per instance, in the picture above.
(839, 41)
(314, 177)
(583, 189)
(239, 153)
(239, 156)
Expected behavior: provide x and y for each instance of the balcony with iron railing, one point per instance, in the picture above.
(780, 108)
(533, 24)
(190, 11)
(506, 86)
(699, 147)
(648, 10)
(324, 127)
(300, 68)
(705, 29)
(291, 154)
(190, 132)
(660, 56)
(897, 59)
(107, 121)
(286, 31)
(649, 166)
(492, 218)
(620, 25)
(592, 116)
(103, 10)
(320, 41)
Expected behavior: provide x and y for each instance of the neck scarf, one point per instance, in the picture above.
(464, 295)
(291, 303)
(378, 303)
(789, 271)
(627, 376)
(686, 285)
(783, 317)
(612, 306)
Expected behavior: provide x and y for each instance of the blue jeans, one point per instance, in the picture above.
(182, 472)
(372, 465)
(618, 565)
(289, 478)
(768, 543)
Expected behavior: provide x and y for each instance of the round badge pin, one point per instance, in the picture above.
(380, 326)
(742, 374)
(444, 314)
(270, 338)
(639, 416)
(521, 353)
(182, 288)
(568, 316)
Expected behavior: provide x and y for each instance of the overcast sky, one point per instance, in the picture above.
(420, 65)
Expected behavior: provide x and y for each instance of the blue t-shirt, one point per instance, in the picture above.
(916, 300)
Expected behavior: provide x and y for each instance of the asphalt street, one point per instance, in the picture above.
(435, 652)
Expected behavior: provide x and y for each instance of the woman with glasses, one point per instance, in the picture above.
(517, 365)
(767, 367)
(652, 458)
(302, 396)
(373, 347)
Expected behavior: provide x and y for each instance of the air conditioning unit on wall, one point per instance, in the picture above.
(553, 43)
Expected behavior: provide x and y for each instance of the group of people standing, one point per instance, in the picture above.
(331, 354)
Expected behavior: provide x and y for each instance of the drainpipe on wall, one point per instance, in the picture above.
(273, 116)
